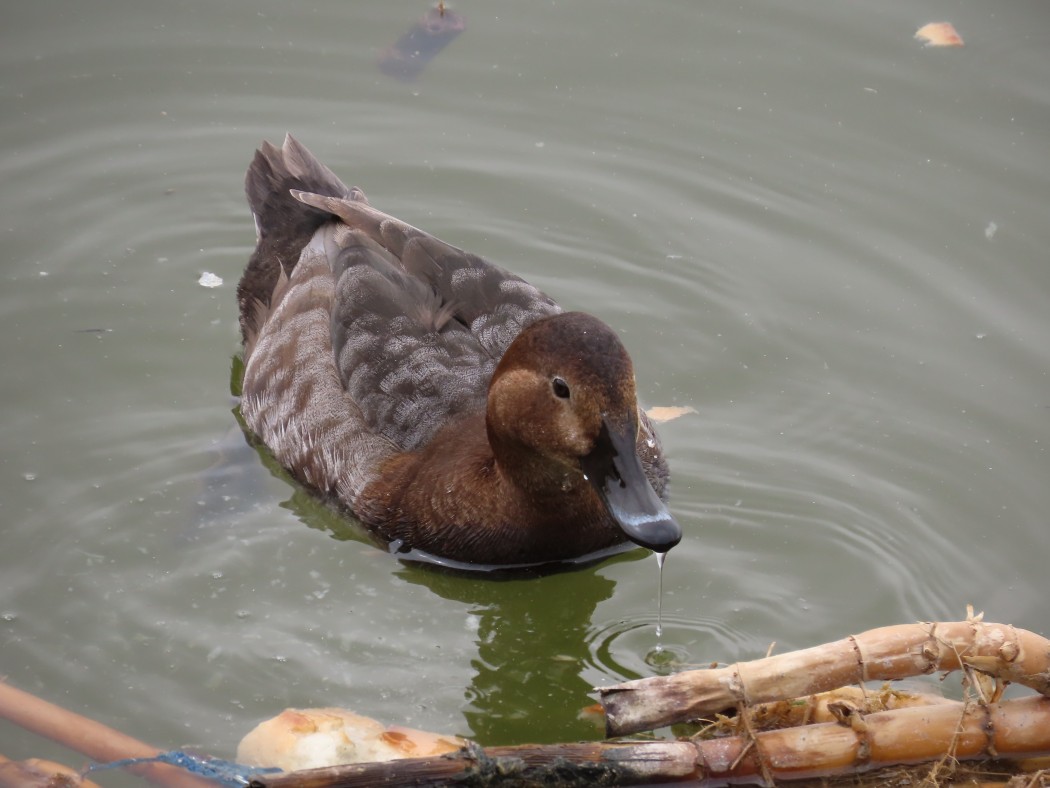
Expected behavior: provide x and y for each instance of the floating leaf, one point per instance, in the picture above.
(595, 714)
(939, 34)
(662, 413)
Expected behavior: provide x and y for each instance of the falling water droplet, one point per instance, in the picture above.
(660, 558)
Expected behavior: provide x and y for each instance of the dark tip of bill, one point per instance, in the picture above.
(658, 532)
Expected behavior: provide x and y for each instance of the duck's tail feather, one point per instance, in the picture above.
(283, 225)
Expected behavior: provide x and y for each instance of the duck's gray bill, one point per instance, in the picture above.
(616, 472)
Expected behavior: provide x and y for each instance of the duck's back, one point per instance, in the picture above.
(363, 335)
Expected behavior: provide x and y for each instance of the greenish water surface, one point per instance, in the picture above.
(828, 240)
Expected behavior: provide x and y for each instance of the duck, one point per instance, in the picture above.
(452, 408)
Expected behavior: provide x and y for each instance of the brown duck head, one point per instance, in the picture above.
(563, 416)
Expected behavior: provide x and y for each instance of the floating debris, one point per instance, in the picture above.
(662, 413)
(314, 738)
(410, 54)
(225, 773)
(939, 34)
(209, 279)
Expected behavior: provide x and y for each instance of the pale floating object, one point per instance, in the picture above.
(662, 413)
(990, 230)
(313, 738)
(209, 279)
(939, 34)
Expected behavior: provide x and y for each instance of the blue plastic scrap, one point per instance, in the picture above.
(225, 773)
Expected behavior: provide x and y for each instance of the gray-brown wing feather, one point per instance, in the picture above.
(417, 325)
(410, 367)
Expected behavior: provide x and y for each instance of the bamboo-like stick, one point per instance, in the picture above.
(1014, 729)
(1001, 651)
(88, 737)
(1010, 730)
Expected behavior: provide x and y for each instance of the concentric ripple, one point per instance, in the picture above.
(629, 648)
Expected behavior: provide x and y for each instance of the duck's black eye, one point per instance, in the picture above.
(561, 388)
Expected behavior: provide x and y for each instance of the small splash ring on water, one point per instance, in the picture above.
(630, 648)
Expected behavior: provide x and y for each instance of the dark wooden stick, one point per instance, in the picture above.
(587, 763)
